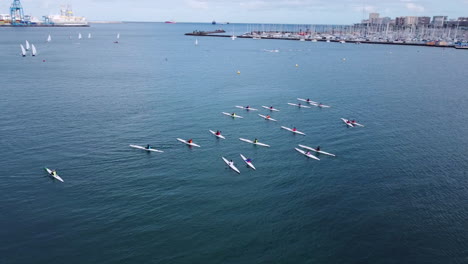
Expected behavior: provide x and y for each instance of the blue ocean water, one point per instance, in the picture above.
(397, 191)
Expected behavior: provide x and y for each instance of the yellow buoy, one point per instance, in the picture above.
(238, 72)
(297, 65)
(344, 59)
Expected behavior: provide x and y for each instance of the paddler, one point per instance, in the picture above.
(353, 121)
(268, 117)
(308, 153)
(54, 173)
(318, 148)
(255, 140)
(247, 107)
(148, 146)
(299, 105)
(190, 141)
(218, 132)
(233, 114)
(271, 107)
(308, 100)
(248, 160)
(294, 129)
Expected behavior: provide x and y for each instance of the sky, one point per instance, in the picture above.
(244, 11)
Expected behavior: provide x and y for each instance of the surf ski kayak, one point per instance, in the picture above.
(318, 151)
(301, 106)
(218, 136)
(304, 100)
(270, 108)
(346, 121)
(233, 116)
(54, 175)
(245, 108)
(231, 165)
(251, 142)
(249, 163)
(313, 103)
(186, 142)
(267, 118)
(294, 131)
(143, 148)
(305, 154)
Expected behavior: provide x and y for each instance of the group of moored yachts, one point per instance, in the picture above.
(303, 149)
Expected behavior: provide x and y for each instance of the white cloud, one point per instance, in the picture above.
(414, 7)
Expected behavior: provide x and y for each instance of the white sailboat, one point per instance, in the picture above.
(49, 38)
(196, 42)
(89, 35)
(27, 45)
(79, 35)
(23, 51)
(33, 50)
(233, 37)
(118, 37)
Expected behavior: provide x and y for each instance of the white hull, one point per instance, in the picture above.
(267, 118)
(248, 163)
(230, 165)
(235, 116)
(49, 171)
(295, 132)
(305, 154)
(245, 108)
(251, 142)
(300, 106)
(318, 151)
(143, 148)
(271, 109)
(218, 136)
(190, 144)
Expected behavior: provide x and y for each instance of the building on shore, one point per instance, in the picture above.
(66, 17)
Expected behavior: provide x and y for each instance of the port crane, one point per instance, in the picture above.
(16, 13)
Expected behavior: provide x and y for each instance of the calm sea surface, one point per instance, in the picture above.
(397, 192)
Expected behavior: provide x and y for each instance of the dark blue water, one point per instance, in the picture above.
(397, 191)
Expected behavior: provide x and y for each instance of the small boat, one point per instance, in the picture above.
(27, 45)
(33, 50)
(188, 143)
(299, 105)
(271, 108)
(79, 35)
(231, 165)
(23, 51)
(196, 42)
(232, 115)
(318, 151)
(233, 37)
(255, 143)
(267, 118)
(170, 22)
(248, 108)
(118, 37)
(294, 131)
(313, 103)
(306, 154)
(53, 174)
(49, 38)
(351, 123)
(248, 162)
(218, 136)
(146, 149)
(89, 35)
